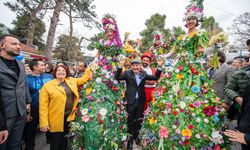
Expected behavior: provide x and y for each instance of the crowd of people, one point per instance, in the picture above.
(169, 97)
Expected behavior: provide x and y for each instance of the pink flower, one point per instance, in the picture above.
(90, 98)
(85, 118)
(168, 75)
(180, 68)
(163, 133)
(197, 104)
(168, 105)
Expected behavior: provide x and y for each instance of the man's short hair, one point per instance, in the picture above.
(248, 42)
(2, 38)
(33, 63)
(85, 65)
(222, 57)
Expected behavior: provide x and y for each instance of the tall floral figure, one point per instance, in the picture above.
(101, 121)
(186, 114)
(159, 46)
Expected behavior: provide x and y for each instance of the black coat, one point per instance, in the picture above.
(131, 84)
(15, 91)
(2, 115)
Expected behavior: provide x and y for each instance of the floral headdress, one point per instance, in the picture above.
(158, 36)
(195, 8)
(109, 23)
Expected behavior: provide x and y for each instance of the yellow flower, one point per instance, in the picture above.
(179, 76)
(186, 132)
(88, 91)
(192, 34)
(180, 37)
(151, 121)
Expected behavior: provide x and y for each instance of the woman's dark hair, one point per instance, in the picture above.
(197, 21)
(64, 67)
(64, 63)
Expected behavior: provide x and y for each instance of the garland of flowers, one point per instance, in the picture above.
(111, 50)
(191, 42)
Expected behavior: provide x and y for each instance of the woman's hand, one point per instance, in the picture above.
(45, 129)
(236, 136)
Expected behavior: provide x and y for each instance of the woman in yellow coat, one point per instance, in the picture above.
(58, 100)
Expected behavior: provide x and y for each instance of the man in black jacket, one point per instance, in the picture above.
(15, 93)
(135, 96)
(3, 126)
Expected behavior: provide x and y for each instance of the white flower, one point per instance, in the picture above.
(98, 80)
(176, 88)
(206, 120)
(193, 114)
(177, 71)
(216, 137)
(174, 126)
(206, 101)
(198, 120)
(124, 137)
(182, 105)
(198, 136)
(103, 111)
(84, 111)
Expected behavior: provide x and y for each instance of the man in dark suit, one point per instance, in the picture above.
(14, 90)
(135, 96)
(3, 128)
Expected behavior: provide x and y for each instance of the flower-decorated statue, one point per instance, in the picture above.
(186, 113)
(101, 120)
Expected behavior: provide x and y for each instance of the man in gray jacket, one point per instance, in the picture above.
(221, 75)
(15, 95)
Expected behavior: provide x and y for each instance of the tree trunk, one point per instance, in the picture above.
(31, 30)
(70, 21)
(52, 29)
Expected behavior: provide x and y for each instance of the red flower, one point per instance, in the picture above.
(100, 121)
(209, 110)
(166, 90)
(180, 68)
(191, 105)
(190, 126)
(162, 113)
(186, 142)
(175, 113)
(181, 110)
(114, 88)
(216, 147)
(194, 71)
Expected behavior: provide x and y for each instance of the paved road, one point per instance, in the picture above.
(41, 143)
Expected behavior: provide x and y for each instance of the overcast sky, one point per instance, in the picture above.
(132, 14)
